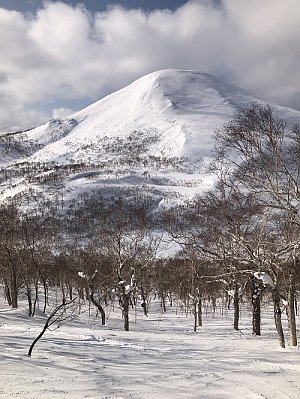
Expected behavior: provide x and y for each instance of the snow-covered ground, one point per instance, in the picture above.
(161, 357)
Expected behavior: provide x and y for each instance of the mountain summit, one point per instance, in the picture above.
(182, 107)
(156, 132)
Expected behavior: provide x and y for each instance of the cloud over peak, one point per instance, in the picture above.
(65, 52)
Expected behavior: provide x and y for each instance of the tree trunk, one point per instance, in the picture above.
(14, 288)
(199, 309)
(45, 294)
(124, 304)
(170, 299)
(291, 309)
(228, 300)
(214, 303)
(256, 311)
(38, 269)
(126, 312)
(37, 338)
(7, 294)
(29, 299)
(99, 307)
(236, 305)
(63, 294)
(195, 315)
(163, 302)
(36, 299)
(277, 317)
(144, 299)
(70, 291)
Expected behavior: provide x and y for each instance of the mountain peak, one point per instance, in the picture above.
(182, 107)
(160, 125)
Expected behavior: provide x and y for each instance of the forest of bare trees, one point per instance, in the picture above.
(240, 240)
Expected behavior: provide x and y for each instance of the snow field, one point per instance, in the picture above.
(161, 357)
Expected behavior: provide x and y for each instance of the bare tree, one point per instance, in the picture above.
(258, 153)
(90, 282)
(124, 235)
(10, 248)
(59, 315)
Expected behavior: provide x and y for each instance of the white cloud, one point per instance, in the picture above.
(62, 112)
(64, 52)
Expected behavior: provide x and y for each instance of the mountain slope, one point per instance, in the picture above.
(156, 133)
(183, 107)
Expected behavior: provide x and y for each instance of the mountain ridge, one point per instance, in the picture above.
(156, 133)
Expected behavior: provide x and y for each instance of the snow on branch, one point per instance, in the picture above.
(264, 277)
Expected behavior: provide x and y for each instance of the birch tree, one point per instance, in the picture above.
(259, 154)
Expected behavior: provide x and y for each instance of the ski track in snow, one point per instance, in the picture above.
(161, 357)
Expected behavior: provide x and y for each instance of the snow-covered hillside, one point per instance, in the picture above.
(155, 133)
(179, 108)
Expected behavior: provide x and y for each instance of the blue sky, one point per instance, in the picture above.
(57, 57)
(95, 5)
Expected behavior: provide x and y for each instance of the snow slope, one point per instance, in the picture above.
(161, 357)
(183, 107)
(156, 132)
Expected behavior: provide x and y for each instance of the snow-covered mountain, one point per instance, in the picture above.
(153, 135)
